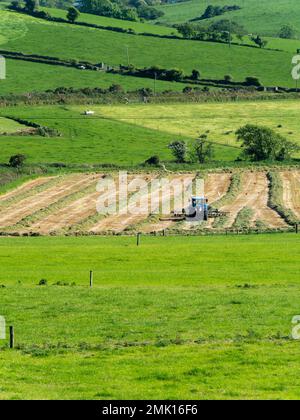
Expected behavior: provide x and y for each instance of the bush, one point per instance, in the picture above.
(17, 161)
(153, 160)
(252, 81)
(43, 282)
(179, 150)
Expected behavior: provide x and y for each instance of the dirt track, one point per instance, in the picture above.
(291, 190)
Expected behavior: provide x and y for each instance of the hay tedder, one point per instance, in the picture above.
(197, 211)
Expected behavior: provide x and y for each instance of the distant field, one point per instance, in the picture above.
(90, 140)
(104, 21)
(9, 126)
(129, 134)
(24, 76)
(260, 16)
(213, 60)
(219, 121)
(172, 319)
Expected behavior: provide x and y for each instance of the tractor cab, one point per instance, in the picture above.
(198, 209)
(199, 202)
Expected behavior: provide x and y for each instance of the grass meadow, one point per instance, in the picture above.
(205, 317)
(127, 135)
(258, 16)
(87, 140)
(214, 60)
(25, 76)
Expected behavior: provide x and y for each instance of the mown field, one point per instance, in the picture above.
(259, 16)
(213, 60)
(175, 318)
(219, 120)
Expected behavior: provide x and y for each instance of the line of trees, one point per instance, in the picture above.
(212, 11)
(134, 10)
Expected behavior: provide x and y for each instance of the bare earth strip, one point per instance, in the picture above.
(30, 185)
(255, 196)
(291, 191)
(30, 205)
(216, 186)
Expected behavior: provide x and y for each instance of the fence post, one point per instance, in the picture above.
(91, 279)
(296, 227)
(138, 239)
(11, 337)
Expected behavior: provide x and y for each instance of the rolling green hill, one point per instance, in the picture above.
(24, 76)
(258, 16)
(213, 59)
(138, 27)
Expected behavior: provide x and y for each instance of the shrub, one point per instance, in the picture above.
(17, 161)
(43, 282)
(179, 150)
(153, 160)
(252, 81)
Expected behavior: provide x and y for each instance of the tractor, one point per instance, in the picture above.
(198, 211)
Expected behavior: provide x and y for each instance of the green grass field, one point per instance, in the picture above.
(176, 318)
(9, 126)
(214, 60)
(90, 140)
(259, 16)
(138, 27)
(24, 76)
(219, 121)
(129, 134)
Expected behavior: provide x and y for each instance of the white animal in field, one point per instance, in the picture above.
(89, 112)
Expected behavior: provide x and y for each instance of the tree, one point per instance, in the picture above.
(287, 32)
(252, 81)
(17, 161)
(261, 43)
(31, 5)
(15, 5)
(196, 75)
(262, 143)
(202, 149)
(228, 78)
(187, 30)
(73, 14)
(179, 150)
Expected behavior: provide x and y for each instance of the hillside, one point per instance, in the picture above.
(214, 60)
(257, 16)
